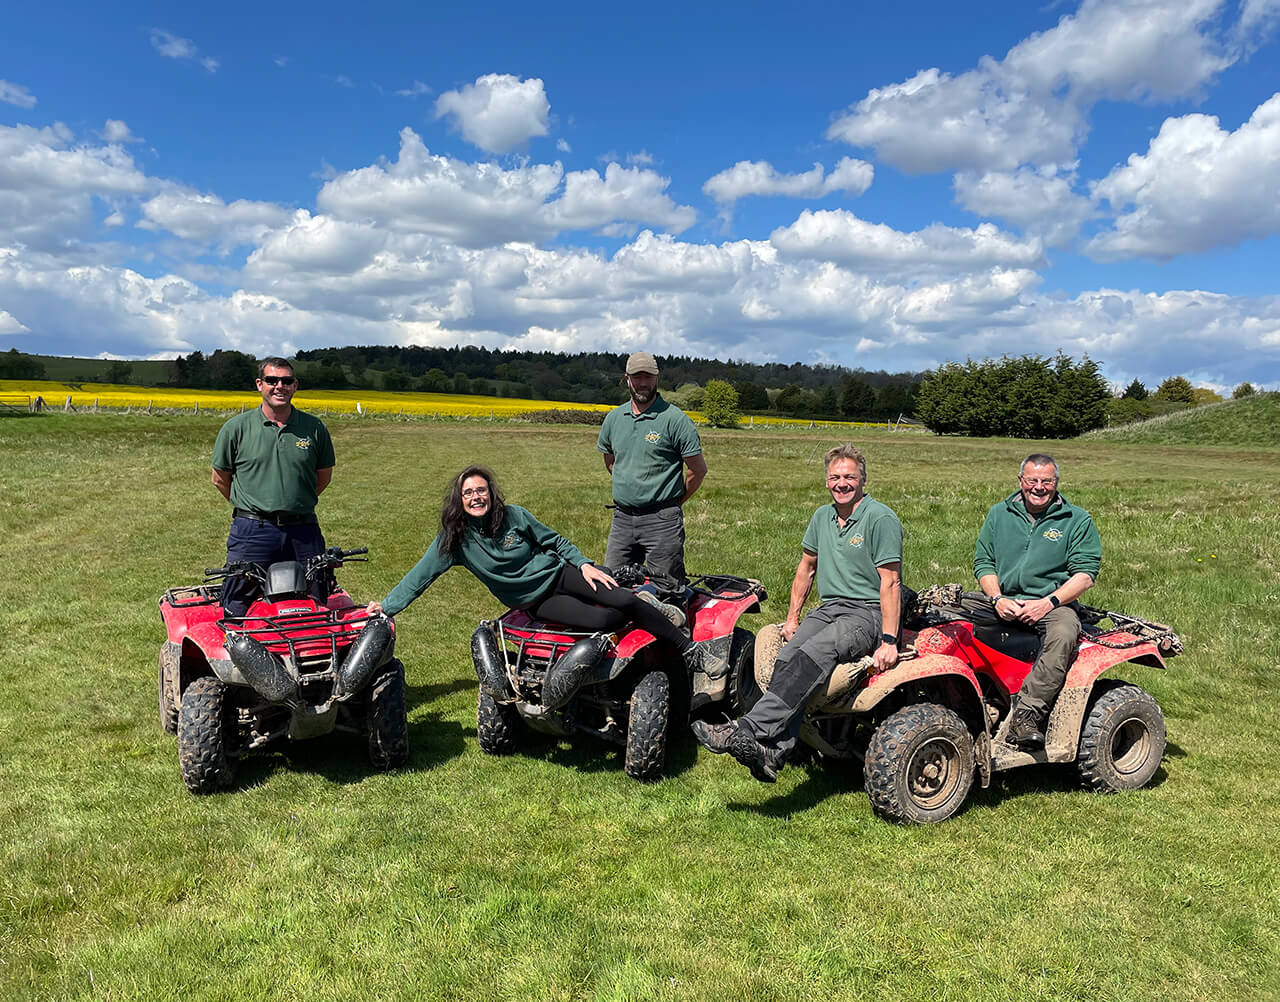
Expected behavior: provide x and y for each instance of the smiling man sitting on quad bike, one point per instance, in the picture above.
(854, 549)
(528, 566)
(1036, 555)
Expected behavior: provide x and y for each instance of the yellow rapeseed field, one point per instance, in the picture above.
(84, 396)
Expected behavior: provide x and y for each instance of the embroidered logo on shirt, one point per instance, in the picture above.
(511, 540)
(303, 443)
(1053, 535)
(855, 539)
(653, 436)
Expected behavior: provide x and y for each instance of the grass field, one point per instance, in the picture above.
(1248, 422)
(549, 874)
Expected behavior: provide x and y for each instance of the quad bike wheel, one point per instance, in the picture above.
(169, 653)
(919, 765)
(388, 723)
(647, 727)
(206, 730)
(744, 690)
(498, 726)
(1121, 741)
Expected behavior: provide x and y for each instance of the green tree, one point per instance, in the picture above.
(1024, 397)
(720, 404)
(1135, 391)
(1245, 389)
(857, 398)
(1176, 388)
(15, 365)
(1203, 395)
(118, 372)
(752, 396)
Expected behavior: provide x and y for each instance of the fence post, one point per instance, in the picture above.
(148, 406)
(197, 406)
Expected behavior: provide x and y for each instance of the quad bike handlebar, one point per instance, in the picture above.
(331, 558)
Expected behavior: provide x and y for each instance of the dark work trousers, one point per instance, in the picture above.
(836, 632)
(655, 540)
(264, 543)
(1059, 632)
(572, 602)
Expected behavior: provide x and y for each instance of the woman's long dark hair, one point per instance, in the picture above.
(453, 518)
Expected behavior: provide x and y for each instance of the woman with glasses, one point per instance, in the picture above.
(526, 566)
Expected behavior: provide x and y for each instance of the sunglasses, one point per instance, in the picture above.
(282, 380)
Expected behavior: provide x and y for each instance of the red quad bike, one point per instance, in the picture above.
(923, 729)
(290, 668)
(633, 681)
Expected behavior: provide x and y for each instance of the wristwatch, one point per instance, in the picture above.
(888, 638)
(1053, 601)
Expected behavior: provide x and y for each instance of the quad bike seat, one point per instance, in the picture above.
(769, 642)
(1011, 640)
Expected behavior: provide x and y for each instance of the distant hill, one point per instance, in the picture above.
(1252, 422)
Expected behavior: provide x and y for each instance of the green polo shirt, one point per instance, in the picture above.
(273, 469)
(1032, 557)
(849, 555)
(648, 452)
(517, 564)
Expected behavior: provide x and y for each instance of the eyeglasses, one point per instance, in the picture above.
(476, 492)
(1039, 482)
(282, 380)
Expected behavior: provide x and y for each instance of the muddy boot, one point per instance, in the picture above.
(673, 614)
(714, 738)
(1024, 729)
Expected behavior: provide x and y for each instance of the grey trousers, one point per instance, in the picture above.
(655, 540)
(1059, 632)
(836, 632)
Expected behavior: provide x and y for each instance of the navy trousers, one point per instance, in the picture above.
(264, 543)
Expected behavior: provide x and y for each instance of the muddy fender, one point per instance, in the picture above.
(566, 676)
(489, 664)
(369, 651)
(261, 669)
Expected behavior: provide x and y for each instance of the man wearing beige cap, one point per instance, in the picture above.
(652, 451)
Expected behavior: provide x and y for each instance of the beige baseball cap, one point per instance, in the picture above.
(641, 361)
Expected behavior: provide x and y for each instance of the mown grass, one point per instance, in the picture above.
(550, 875)
(1250, 422)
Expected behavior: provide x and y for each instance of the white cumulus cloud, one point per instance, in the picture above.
(1031, 106)
(479, 204)
(1042, 202)
(747, 178)
(497, 113)
(1197, 187)
(207, 219)
(12, 93)
(842, 238)
(116, 131)
(171, 46)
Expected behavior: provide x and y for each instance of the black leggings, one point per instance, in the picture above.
(572, 602)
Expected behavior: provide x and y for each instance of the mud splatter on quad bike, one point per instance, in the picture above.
(925, 728)
(290, 668)
(635, 684)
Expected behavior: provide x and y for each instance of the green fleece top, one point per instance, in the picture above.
(517, 564)
(1033, 556)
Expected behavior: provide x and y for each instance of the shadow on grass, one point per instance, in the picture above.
(819, 783)
(589, 754)
(417, 695)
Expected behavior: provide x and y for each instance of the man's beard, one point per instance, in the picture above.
(643, 396)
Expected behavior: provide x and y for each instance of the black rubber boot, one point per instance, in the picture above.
(1024, 729)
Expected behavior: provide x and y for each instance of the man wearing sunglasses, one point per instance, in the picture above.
(1036, 554)
(272, 463)
(853, 549)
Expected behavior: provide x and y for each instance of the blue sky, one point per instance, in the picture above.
(871, 185)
